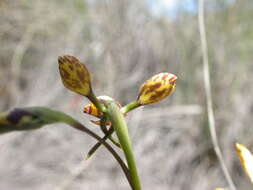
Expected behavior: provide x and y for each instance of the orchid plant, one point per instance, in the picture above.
(109, 113)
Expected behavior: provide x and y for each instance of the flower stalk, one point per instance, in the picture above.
(120, 126)
(96, 102)
(127, 108)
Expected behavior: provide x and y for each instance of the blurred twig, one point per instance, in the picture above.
(207, 85)
(78, 170)
(16, 63)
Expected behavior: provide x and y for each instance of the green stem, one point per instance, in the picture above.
(129, 107)
(105, 131)
(92, 97)
(96, 102)
(120, 126)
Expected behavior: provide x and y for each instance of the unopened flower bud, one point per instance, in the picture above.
(156, 88)
(75, 76)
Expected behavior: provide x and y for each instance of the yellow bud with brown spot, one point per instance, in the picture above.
(157, 88)
(75, 76)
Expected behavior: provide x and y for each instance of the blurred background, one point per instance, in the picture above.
(123, 43)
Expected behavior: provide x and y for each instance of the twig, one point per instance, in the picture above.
(17, 61)
(209, 103)
(97, 145)
(81, 127)
(77, 171)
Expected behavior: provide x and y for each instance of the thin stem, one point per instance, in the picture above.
(97, 145)
(129, 107)
(126, 171)
(75, 124)
(120, 126)
(209, 103)
(96, 102)
(105, 131)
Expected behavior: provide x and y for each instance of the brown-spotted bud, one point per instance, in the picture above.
(156, 88)
(246, 159)
(75, 76)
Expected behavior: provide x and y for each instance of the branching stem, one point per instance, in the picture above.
(75, 124)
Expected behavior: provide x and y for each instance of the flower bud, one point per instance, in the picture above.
(246, 159)
(156, 88)
(75, 76)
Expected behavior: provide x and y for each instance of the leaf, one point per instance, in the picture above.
(28, 118)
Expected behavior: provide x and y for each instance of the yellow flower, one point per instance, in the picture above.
(246, 159)
(75, 76)
(91, 109)
(156, 88)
